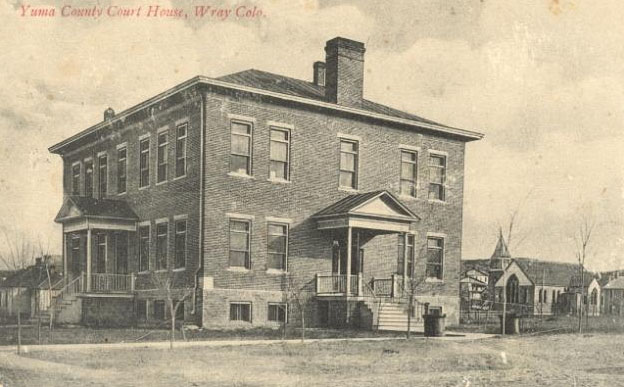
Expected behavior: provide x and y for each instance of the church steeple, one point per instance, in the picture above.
(501, 256)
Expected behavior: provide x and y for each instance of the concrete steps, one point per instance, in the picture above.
(392, 316)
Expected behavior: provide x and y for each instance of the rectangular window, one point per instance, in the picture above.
(75, 253)
(142, 310)
(239, 243)
(409, 171)
(437, 177)
(181, 150)
(122, 169)
(277, 312)
(144, 247)
(240, 157)
(161, 245)
(180, 244)
(76, 179)
(402, 255)
(279, 154)
(163, 143)
(144, 157)
(159, 310)
(240, 311)
(277, 246)
(88, 177)
(103, 175)
(435, 257)
(348, 164)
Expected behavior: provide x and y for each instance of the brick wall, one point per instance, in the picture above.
(314, 186)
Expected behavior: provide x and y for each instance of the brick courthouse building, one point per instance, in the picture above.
(253, 185)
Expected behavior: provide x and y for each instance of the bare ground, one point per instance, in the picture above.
(558, 360)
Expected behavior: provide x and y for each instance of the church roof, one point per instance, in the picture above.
(501, 250)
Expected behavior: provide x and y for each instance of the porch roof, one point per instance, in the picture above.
(75, 207)
(376, 210)
(83, 213)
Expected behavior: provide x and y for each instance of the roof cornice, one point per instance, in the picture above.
(465, 134)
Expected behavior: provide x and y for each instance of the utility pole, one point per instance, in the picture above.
(504, 299)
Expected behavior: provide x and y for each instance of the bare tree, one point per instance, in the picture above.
(175, 296)
(298, 294)
(18, 250)
(512, 224)
(582, 238)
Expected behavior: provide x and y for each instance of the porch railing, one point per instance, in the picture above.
(331, 284)
(336, 284)
(384, 287)
(113, 283)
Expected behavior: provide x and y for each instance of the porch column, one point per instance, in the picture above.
(349, 254)
(405, 273)
(88, 259)
(65, 266)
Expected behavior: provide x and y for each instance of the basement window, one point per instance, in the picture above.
(240, 311)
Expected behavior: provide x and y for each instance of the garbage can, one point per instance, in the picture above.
(434, 323)
(512, 324)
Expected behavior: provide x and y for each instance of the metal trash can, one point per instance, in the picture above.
(434, 322)
(512, 324)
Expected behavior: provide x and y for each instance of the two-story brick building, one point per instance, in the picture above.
(253, 185)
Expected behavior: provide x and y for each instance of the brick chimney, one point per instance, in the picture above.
(109, 114)
(319, 73)
(344, 74)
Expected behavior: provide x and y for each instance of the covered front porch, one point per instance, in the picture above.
(353, 224)
(96, 248)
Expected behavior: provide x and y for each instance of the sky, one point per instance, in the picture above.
(543, 80)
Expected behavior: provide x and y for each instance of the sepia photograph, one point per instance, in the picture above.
(311, 192)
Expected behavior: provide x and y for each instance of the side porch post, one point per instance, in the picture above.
(65, 265)
(405, 274)
(348, 274)
(88, 259)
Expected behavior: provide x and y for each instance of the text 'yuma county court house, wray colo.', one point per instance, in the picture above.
(250, 186)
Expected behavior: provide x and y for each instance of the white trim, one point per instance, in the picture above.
(239, 117)
(278, 220)
(144, 136)
(234, 215)
(75, 163)
(180, 217)
(279, 181)
(240, 269)
(161, 220)
(347, 136)
(90, 158)
(144, 223)
(102, 153)
(122, 145)
(163, 129)
(241, 175)
(272, 271)
(280, 125)
(412, 148)
(437, 152)
(436, 235)
(181, 121)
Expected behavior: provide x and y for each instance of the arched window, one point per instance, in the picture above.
(594, 297)
(545, 296)
(513, 289)
(541, 296)
(554, 297)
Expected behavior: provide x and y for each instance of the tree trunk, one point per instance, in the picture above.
(302, 324)
(409, 317)
(19, 328)
(173, 316)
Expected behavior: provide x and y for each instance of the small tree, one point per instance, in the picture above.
(297, 293)
(582, 238)
(165, 286)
